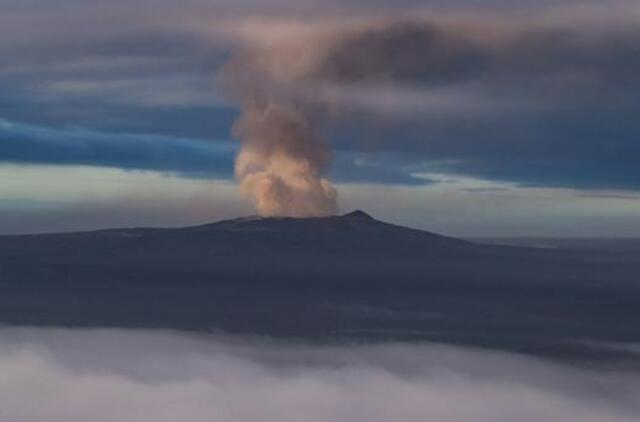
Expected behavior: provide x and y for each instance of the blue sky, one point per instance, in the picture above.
(518, 119)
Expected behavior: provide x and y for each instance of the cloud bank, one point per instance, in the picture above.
(117, 375)
(533, 93)
(23, 143)
(177, 156)
(544, 100)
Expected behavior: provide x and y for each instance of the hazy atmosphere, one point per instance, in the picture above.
(470, 118)
(319, 211)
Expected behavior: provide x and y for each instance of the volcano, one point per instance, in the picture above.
(339, 278)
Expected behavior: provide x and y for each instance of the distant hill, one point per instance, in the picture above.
(339, 278)
(630, 245)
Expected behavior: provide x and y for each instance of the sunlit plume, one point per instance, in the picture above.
(281, 162)
(295, 82)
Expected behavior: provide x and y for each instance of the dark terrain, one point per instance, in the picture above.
(349, 278)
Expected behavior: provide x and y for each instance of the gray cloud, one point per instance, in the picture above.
(119, 375)
(32, 144)
(541, 102)
(185, 157)
(542, 98)
(540, 62)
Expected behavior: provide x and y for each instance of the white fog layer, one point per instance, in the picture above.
(136, 375)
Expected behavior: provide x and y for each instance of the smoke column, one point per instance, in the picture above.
(281, 162)
(291, 82)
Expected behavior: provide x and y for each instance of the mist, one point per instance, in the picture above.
(132, 375)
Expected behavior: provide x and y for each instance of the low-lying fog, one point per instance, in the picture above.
(147, 375)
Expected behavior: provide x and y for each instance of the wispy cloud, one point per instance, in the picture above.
(34, 144)
(184, 157)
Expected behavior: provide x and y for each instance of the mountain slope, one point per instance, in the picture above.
(354, 232)
(350, 277)
(236, 247)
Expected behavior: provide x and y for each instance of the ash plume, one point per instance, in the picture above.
(281, 162)
(294, 80)
(283, 157)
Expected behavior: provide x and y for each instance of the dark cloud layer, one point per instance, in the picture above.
(194, 158)
(540, 105)
(586, 148)
(556, 60)
(547, 99)
(29, 144)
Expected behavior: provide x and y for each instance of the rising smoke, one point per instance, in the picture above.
(283, 155)
(281, 162)
(298, 83)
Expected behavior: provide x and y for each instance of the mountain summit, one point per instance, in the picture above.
(254, 219)
(356, 232)
(358, 214)
(349, 277)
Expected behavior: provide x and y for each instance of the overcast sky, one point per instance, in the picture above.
(472, 118)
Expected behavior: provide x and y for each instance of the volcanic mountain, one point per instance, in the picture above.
(348, 277)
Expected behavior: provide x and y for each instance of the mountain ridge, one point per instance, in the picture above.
(311, 279)
(340, 230)
(356, 215)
